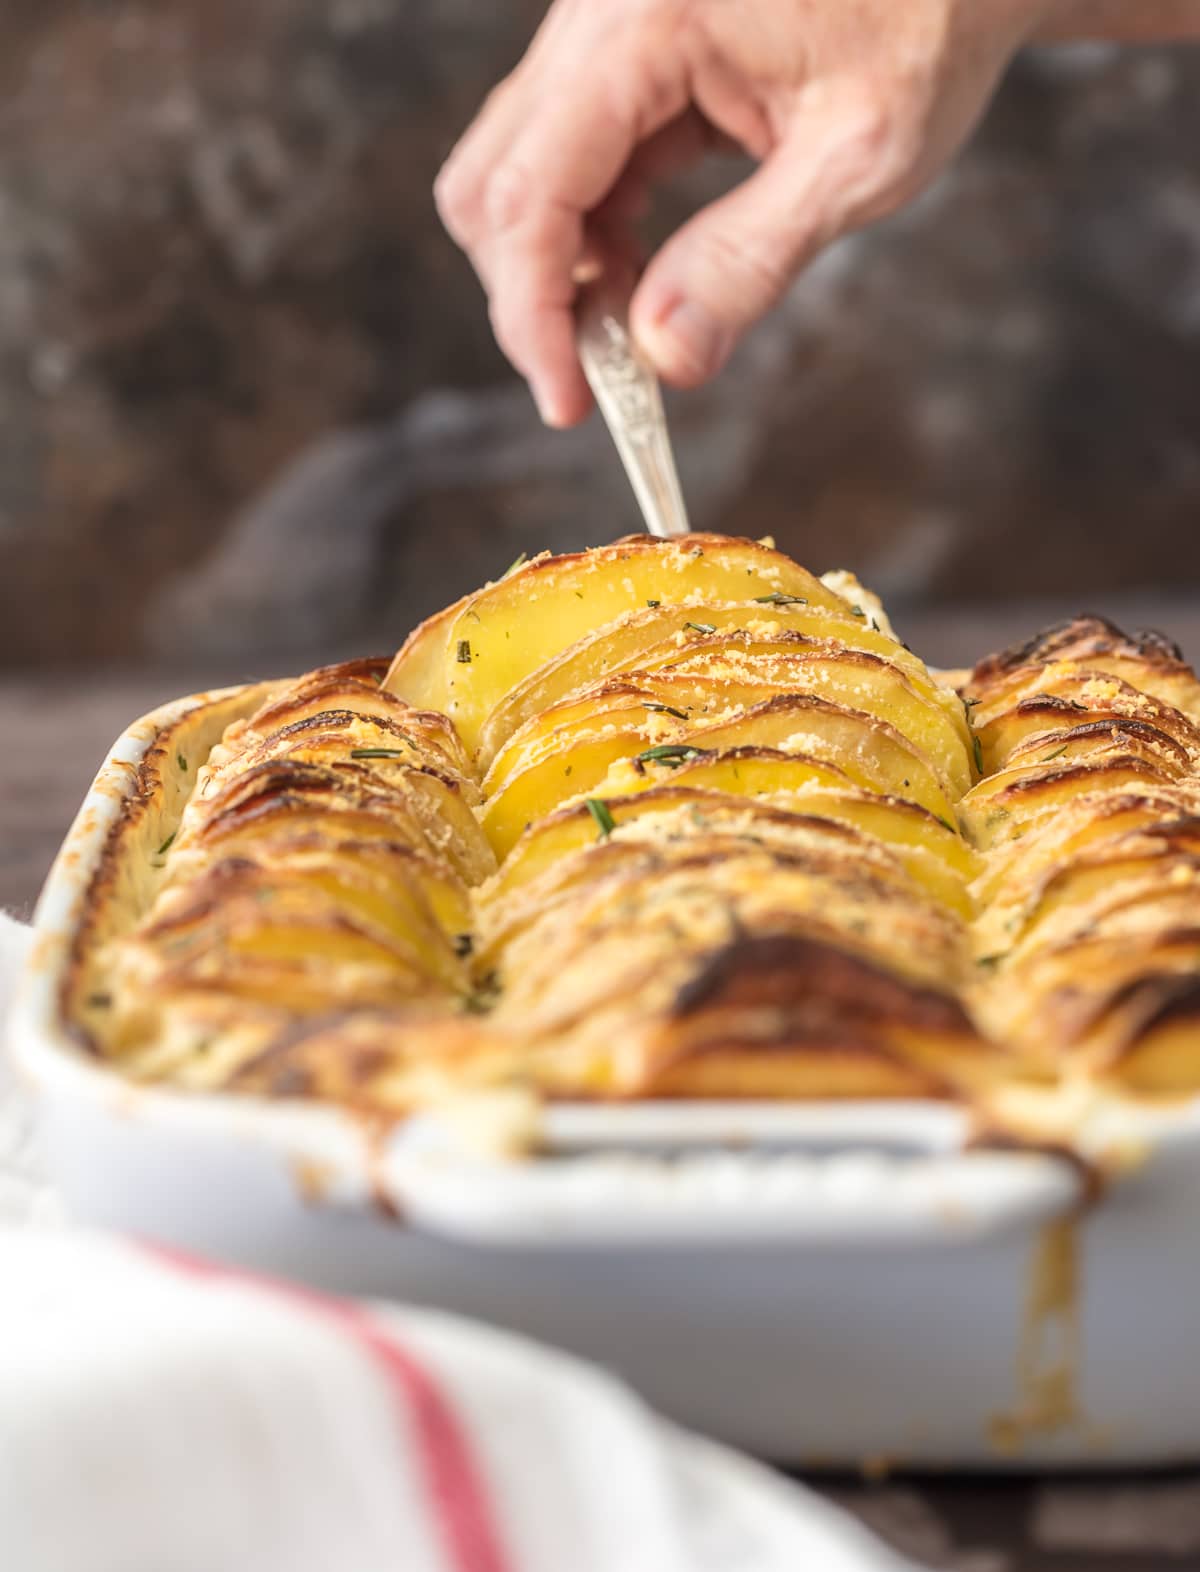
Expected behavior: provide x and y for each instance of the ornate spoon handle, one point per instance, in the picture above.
(630, 400)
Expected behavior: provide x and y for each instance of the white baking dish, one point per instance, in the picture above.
(817, 1283)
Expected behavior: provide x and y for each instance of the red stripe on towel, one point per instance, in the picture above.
(452, 1477)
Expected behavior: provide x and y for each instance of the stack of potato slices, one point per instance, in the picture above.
(1087, 940)
(681, 819)
(322, 867)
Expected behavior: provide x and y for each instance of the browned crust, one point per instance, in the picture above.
(825, 991)
(1079, 638)
(147, 784)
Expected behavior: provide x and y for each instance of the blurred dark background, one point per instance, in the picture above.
(250, 410)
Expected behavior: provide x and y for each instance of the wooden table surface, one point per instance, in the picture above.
(55, 731)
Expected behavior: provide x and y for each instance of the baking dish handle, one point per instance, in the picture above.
(611, 1200)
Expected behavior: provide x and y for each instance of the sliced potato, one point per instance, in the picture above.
(464, 661)
(869, 751)
(655, 843)
(1147, 661)
(657, 635)
(678, 700)
(1005, 806)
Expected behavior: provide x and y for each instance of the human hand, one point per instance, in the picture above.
(850, 107)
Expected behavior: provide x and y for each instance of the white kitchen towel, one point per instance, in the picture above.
(163, 1414)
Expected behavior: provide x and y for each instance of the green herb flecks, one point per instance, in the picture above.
(182, 763)
(483, 998)
(464, 652)
(376, 753)
(654, 604)
(599, 811)
(1057, 754)
(701, 627)
(672, 754)
(519, 563)
(857, 611)
(778, 598)
(978, 746)
(166, 845)
(953, 828)
(665, 709)
(463, 943)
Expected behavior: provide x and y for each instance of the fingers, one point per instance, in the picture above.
(517, 191)
(728, 266)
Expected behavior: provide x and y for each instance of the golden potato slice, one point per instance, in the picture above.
(869, 751)
(465, 660)
(293, 848)
(1075, 826)
(1147, 661)
(664, 633)
(1005, 806)
(654, 843)
(549, 967)
(1078, 698)
(343, 695)
(678, 699)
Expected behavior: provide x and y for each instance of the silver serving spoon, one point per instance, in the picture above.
(627, 391)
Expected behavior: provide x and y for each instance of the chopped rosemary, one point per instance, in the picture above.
(953, 828)
(99, 1001)
(463, 942)
(978, 746)
(1056, 754)
(698, 551)
(654, 603)
(484, 996)
(989, 960)
(166, 845)
(701, 627)
(519, 563)
(666, 709)
(568, 769)
(464, 652)
(578, 594)
(968, 704)
(857, 611)
(182, 763)
(376, 753)
(778, 598)
(668, 753)
(599, 811)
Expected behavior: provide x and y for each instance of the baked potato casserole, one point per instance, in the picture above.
(664, 819)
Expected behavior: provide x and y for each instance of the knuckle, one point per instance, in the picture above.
(453, 199)
(885, 127)
(509, 196)
(743, 259)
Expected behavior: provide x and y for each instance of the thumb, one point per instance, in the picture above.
(727, 266)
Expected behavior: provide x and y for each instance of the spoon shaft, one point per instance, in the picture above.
(627, 392)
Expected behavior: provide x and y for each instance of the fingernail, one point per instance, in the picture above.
(687, 341)
(547, 405)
